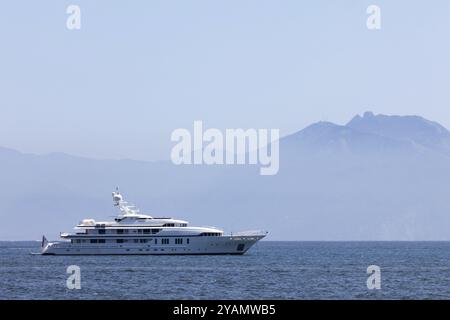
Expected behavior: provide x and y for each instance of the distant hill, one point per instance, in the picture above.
(406, 128)
(377, 178)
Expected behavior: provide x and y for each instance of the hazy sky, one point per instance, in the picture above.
(137, 70)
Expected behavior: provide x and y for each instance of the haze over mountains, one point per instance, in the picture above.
(376, 178)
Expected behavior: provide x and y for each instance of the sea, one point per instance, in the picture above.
(269, 270)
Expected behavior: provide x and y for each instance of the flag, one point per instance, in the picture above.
(44, 242)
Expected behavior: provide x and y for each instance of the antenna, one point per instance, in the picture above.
(117, 197)
(124, 208)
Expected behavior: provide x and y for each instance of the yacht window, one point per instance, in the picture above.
(169, 225)
(136, 240)
(147, 230)
(94, 241)
(187, 240)
(119, 231)
(101, 231)
(101, 240)
(210, 234)
(165, 241)
(119, 240)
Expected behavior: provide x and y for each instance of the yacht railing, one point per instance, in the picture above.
(253, 233)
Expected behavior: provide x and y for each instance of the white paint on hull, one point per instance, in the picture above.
(196, 246)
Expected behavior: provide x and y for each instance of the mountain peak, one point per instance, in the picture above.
(412, 128)
(368, 114)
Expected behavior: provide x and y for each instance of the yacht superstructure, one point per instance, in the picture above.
(134, 233)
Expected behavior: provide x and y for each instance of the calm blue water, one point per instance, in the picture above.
(271, 270)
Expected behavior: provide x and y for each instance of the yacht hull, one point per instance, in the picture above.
(235, 245)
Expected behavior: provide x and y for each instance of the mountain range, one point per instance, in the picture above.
(378, 177)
